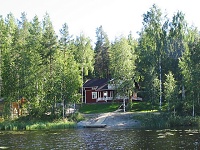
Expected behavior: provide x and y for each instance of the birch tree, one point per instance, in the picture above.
(122, 65)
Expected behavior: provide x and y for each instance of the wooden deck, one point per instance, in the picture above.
(95, 126)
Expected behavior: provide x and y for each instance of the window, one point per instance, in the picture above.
(94, 95)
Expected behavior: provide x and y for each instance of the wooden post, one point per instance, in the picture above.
(124, 104)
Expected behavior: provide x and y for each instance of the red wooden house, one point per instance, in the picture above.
(102, 90)
(98, 90)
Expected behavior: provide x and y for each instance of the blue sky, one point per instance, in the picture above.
(118, 17)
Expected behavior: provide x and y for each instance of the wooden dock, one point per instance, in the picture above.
(95, 126)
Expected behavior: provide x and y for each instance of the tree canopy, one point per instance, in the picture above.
(47, 68)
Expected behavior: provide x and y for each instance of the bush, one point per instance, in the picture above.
(152, 120)
(76, 117)
(24, 123)
(166, 120)
(175, 121)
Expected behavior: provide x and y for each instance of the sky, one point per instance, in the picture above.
(117, 17)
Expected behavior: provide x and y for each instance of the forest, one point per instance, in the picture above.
(46, 68)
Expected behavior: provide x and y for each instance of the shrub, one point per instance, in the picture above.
(76, 117)
(166, 120)
(175, 121)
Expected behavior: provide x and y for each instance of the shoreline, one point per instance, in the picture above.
(110, 120)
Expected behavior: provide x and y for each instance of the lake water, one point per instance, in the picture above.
(102, 139)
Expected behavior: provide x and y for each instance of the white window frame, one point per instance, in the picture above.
(94, 95)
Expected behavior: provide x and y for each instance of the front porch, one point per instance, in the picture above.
(104, 99)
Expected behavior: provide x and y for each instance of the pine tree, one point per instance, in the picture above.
(47, 52)
(36, 78)
(101, 66)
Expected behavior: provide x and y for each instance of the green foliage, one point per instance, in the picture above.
(101, 54)
(84, 54)
(45, 69)
(122, 66)
(166, 120)
(177, 121)
(150, 51)
(38, 68)
(36, 125)
(169, 45)
(189, 65)
(76, 117)
(171, 92)
(142, 106)
(51, 125)
(122, 61)
(42, 123)
(151, 120)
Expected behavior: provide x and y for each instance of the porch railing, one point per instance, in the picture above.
(104, 99)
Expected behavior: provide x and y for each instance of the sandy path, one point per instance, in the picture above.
(111, 120)
(121, 119)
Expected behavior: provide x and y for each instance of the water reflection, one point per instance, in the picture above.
(103, 139)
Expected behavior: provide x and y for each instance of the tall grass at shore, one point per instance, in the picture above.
(34, 124)
(155, 119)
(165, 120)
(60, 124)
(51, 125)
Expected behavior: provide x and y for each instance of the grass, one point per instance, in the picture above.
(51, 125)
(110, 107)
(150, 119)
(15, 125)
(142, 106)
(99, 108)
(166, 120)
(29, 123)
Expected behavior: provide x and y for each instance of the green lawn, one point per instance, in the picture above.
(99, 108)
(143, 106)
(110, 107)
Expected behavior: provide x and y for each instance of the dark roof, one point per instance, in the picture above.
(103, 87)
(95, 82)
